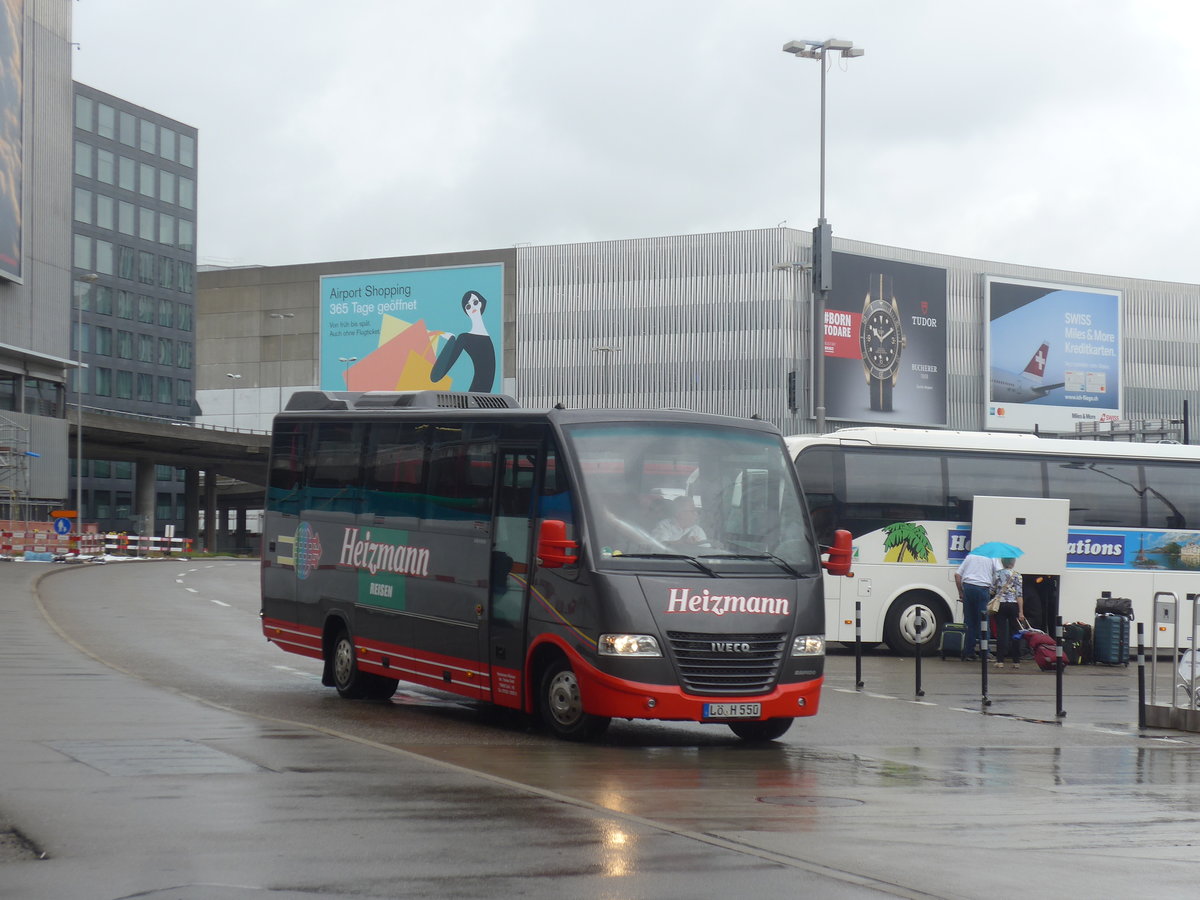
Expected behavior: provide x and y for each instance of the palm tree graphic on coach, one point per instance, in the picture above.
(906, 542)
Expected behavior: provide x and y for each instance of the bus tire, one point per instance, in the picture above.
(900, 629)
(759, 732)
(560, 704)
(351, 682)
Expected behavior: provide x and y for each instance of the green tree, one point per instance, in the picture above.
(909, 539)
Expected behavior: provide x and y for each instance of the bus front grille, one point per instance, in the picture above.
(727, 664)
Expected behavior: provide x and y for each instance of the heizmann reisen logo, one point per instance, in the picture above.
(307, 552)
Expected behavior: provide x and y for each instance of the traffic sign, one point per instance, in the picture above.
(62, 526)
(63, 514)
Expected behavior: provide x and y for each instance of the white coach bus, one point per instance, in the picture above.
(906, 496)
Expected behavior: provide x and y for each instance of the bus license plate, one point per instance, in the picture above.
(732, 710)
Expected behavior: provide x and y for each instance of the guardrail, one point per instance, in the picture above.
(110, 544)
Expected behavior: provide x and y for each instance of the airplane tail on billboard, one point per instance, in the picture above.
(1037, 364)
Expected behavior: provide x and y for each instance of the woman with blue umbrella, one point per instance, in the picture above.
(1009, 611)
(974, 578)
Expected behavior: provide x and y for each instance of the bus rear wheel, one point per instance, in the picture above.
(560, 704)
(759, 732)
(353, 683)
(903, 633)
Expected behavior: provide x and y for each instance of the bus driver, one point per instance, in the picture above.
(681, 527)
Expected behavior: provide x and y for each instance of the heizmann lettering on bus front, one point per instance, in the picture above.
(385, 561)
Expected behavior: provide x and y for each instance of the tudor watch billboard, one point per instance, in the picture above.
(885, 342)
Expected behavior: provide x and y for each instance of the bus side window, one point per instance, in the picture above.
(285, 492)
(460, 483)
(555, 501)
(334, 478)
(395, 469)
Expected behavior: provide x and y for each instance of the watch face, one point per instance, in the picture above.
(880, 340)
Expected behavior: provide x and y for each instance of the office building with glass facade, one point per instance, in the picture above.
(134, 264)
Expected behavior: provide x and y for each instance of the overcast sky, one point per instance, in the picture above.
(1058, 133)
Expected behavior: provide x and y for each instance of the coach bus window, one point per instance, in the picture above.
(460, 480)
(287, 469)
(556, 502)
(395, 469)
(333, 481)
(1103, 493)
(971, 475)
(1172, 497)
(885, 488)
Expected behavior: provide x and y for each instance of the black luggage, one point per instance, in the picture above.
(1077, 643)
(953, 640)
(1119, 606)
(1110, 640)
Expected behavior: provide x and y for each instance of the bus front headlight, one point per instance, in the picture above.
(808, 645)
(628, 645)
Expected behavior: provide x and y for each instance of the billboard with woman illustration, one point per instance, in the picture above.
(413, 329)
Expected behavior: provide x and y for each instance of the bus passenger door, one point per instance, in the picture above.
(512, 535)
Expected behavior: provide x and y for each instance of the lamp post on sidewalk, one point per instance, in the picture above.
(822, 249)
(234, 399)
(87, 280)
(279, 360)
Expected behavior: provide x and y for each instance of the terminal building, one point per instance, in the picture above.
(720, 323)
(35, 257)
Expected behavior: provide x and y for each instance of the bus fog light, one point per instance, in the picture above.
(808, 645)
(651, 703)
(628, 645)
(801, 701)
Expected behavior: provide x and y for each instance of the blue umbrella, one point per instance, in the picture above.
(997, 550)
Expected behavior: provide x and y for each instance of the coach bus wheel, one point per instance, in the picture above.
(349, 681)
(561, 705)
(767, 730)
(900, 629)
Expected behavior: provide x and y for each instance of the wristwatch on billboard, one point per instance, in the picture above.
(881, 339)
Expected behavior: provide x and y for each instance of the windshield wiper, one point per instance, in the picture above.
(778, 560)
(699, 565)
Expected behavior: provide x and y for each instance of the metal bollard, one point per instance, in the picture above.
(919, 622)
(1141, 675)
(984, 648)
(858, 679)
(1059, 663)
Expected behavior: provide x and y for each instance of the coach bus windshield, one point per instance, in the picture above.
(711, 498)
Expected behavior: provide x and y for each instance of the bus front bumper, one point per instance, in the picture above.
(604, 695)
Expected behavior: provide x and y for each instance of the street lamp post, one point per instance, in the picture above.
(233, 419)
(608, 352)
(345, 361)
(87, 280)
(822, 235)
(279, 361)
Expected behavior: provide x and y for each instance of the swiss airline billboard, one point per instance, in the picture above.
(1053, 355)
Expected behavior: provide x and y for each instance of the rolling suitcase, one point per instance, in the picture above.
(1110, 640)
(1077, 643)
(953, 639)
(1045, 651)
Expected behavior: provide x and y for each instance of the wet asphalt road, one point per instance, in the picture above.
(156, 745)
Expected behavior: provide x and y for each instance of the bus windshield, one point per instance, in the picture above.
(700, 496)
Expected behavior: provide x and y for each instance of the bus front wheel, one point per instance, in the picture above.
(561, 705)
(913, 619)
(353, 683)
(758, 732)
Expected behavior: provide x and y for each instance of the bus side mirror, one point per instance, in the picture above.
(553, 545)
(840, 553)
